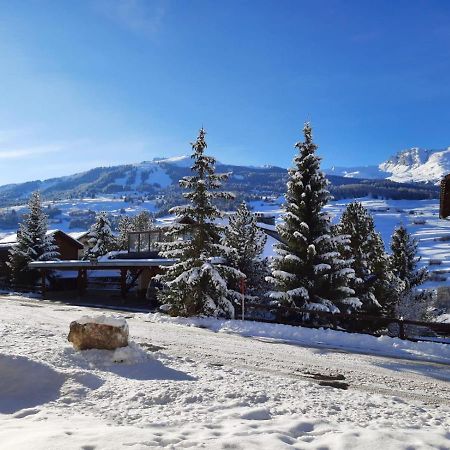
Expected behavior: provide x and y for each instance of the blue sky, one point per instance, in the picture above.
(102, 82)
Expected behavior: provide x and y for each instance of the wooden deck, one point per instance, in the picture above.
(147, 268)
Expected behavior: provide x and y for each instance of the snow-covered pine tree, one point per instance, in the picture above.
(308, 270)
(33, 243)
(247, 241)
(198, 283)
(386, 285)
(101, 238)
(412, 303)
(142, 221)
(366, 251)
(125, 225)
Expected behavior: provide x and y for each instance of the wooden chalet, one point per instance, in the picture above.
(68, 247)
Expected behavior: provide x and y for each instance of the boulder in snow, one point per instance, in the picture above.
(100, 332)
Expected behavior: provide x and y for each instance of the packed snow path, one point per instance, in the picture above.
(202, 389)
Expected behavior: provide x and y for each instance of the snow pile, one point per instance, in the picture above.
(25, 383)
(360, 343)
(104, 320)
(131, 354)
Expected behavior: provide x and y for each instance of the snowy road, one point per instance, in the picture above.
(205, 389)
(375, 374)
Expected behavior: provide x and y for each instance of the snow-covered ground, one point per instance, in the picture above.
(225, 385)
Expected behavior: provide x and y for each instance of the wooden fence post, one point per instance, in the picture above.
(43, 286)
(401, 329)
(123, 282)
(242, 286)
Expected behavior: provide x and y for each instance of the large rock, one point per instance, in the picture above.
(99, 332)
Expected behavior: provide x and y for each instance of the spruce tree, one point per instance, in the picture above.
(198, 282)
(366, 251)
(142, 221)
(308, 270)
(101, 238)
(386, 286)
(124, 226)
(33, 243)
(411, 303)
(247, 242)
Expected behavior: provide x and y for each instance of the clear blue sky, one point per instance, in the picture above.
(102, 82)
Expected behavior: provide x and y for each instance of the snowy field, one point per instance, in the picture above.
(203, 383)
(108, 203)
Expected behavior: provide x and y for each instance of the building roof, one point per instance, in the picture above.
(11, 239)
(78, 234)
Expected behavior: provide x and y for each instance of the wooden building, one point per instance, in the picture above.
(444, 209)
(68, 247)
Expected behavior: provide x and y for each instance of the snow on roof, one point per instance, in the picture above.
(266, 226)
(76, 263)
(78, 234)
(12, 238)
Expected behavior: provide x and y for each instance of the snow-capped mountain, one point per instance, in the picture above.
(412, 165)
(159, 177)
(420, 165)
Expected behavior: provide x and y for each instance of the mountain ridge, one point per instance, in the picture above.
(413, 165)
(159, 178)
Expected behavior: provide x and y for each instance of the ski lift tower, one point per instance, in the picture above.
(444, 208)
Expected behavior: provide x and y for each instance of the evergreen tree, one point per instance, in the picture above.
(124, 226)
(411, 303)
(33, 243)
(366, 251)
(198, 283)
(308, 270)
(142, 221)
(386, 285)
(247, 241)
(101, 239)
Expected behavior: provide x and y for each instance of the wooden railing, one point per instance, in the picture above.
(352, 323)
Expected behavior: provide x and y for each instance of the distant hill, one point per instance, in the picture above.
(158, 179)
(412, 165)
